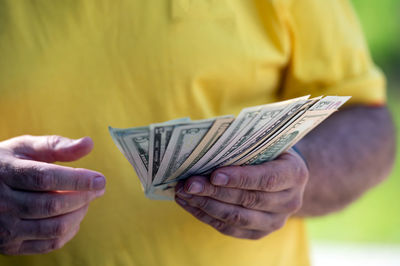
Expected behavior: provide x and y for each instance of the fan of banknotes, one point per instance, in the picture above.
(164, 153)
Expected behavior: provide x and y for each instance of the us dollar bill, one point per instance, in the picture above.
(267, 118)
(286, 139)
(218, 128)
(161, 192)
(164, 153)
(134, 145)
(256, 140)
(183, 141)
(330, 103)
(160, 134)
(244, 118)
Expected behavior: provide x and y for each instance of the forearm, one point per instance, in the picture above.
(349, 153)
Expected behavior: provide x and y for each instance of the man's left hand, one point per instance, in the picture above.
(247, 201)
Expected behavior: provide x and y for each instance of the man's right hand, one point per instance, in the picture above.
(43, 204)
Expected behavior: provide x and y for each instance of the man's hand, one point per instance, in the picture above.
(247, 201)
(42, 204)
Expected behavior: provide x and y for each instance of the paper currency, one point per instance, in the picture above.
(160, 135)
(183, 141)
(164, 153)
(134, 144)
(217, 129)
(285, 139)
(258, 136)
(268, 114)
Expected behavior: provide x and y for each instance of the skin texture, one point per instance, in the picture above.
(349, 153)
(344, 164)
(43, 204)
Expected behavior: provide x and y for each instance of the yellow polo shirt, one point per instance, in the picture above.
(74, 67)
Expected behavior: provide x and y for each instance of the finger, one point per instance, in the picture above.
(51, 148)
(50, 228)
(231, 214)
(31, 205)
(38, 176)
(221, 226)
(277, 202)
(45, 246)
(283, 173)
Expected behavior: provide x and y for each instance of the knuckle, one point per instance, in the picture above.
(11, 174)
(250, 199)
(218, 225)
(269, 181)
(15, 173)
(60, 228)
(53, 141)
(302, 173)
(41, 178)
(53, 244)
(276, 225)
(203, 203)
(235, 218)
(79, 183)
(76, 183)
(294, 204)
(226, 229)
(245, 179)
(199, 214)
(57, 244)
(51, 206)
(220, 193)
(215, 191)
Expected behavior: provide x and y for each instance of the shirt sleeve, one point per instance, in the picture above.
(329, 54)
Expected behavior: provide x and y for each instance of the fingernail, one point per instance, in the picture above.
(183, 194)
(99, 183)
(80, 141)
(220, 179)
(181, 202)
(70, 143)
(76, 141)
(196, 187)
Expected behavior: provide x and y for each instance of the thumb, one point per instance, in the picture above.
(51, 148)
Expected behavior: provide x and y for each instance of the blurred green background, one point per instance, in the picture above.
(376, 216)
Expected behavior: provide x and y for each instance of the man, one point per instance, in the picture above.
(70, 68)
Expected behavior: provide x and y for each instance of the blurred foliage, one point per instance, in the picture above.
(381, 23)
(376, 216)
